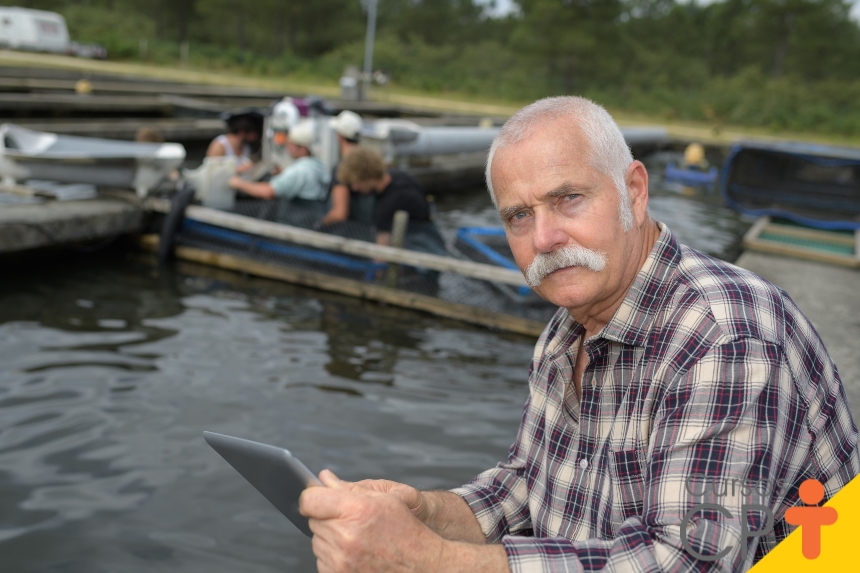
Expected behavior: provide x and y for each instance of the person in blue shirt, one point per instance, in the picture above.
(305, 179)
(300, 189)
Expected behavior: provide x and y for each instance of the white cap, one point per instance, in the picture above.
(348, 124)
(303, 133)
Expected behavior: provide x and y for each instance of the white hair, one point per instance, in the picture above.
(608, 151)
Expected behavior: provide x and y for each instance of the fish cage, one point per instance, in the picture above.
(814, 185)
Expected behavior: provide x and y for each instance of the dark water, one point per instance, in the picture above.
(110, 369)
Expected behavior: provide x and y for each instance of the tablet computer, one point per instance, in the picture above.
(274, 471)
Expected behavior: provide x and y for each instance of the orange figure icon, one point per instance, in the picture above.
(811, 518)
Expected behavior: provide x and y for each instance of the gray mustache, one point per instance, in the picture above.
(569, 256)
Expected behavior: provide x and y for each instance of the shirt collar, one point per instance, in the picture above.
(632, 320)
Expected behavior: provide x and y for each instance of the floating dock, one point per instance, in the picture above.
(58, 223)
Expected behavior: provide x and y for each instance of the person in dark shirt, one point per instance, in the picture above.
(364, 171)
(344, 203)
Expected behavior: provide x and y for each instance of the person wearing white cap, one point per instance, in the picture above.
(304, 180)
(347, 125)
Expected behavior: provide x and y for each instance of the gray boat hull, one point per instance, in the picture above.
(28, 154)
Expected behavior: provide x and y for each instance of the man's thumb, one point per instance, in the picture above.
(330, 480)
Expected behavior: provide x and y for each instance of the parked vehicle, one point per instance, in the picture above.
(90, 51)
(37, 30)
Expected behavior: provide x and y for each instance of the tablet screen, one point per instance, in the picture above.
(274, 471)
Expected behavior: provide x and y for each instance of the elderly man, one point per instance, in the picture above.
(676, 402)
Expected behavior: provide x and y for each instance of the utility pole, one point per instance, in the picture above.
(368, 48)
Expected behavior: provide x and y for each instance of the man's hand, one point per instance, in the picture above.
(360, 528)
(446, 513)
(411, 497)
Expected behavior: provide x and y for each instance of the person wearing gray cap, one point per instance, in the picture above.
(345, 204)
(301, 187)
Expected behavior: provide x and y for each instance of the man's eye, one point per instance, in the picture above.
(571, 197)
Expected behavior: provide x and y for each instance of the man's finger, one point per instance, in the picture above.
(323, 502)
(330, 480)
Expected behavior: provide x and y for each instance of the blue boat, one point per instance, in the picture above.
(490, 246)
(813, 185)
(690, 177)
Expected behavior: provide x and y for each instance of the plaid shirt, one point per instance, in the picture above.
(708, 385)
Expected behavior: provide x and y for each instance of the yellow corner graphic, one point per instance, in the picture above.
(838, 541)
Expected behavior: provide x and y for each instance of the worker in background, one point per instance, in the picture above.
(694, 158)
(244, 131)
(301, 188)
(345, 204)
(364, 171)
(149, 135)
(284, 115)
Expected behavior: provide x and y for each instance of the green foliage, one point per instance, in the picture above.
(118, 30)
(776, 64)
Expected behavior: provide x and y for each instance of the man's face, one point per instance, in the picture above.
(250, 137)
(551, 197)
(296, 151)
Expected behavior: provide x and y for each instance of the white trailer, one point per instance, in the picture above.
(38, 30)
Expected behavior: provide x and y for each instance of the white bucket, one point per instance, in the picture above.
(210, 181)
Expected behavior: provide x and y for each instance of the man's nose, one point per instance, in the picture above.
(548, 231)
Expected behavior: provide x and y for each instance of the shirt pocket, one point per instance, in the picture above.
(626, 472)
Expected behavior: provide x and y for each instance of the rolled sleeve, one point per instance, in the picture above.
(499, 499)
(631, 550)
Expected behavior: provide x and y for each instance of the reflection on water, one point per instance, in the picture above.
(112, 368)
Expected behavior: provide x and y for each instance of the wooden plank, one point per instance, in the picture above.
(71, 102)
(753, 242)
(811, 234)
(343, 245)
(173, 129)
(356, 289)
(132, 87)
(801, 252)
(857, 245)
(754, 231)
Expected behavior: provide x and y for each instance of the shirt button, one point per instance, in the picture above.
(583, 463)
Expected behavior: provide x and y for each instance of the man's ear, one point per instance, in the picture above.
(637, 190)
